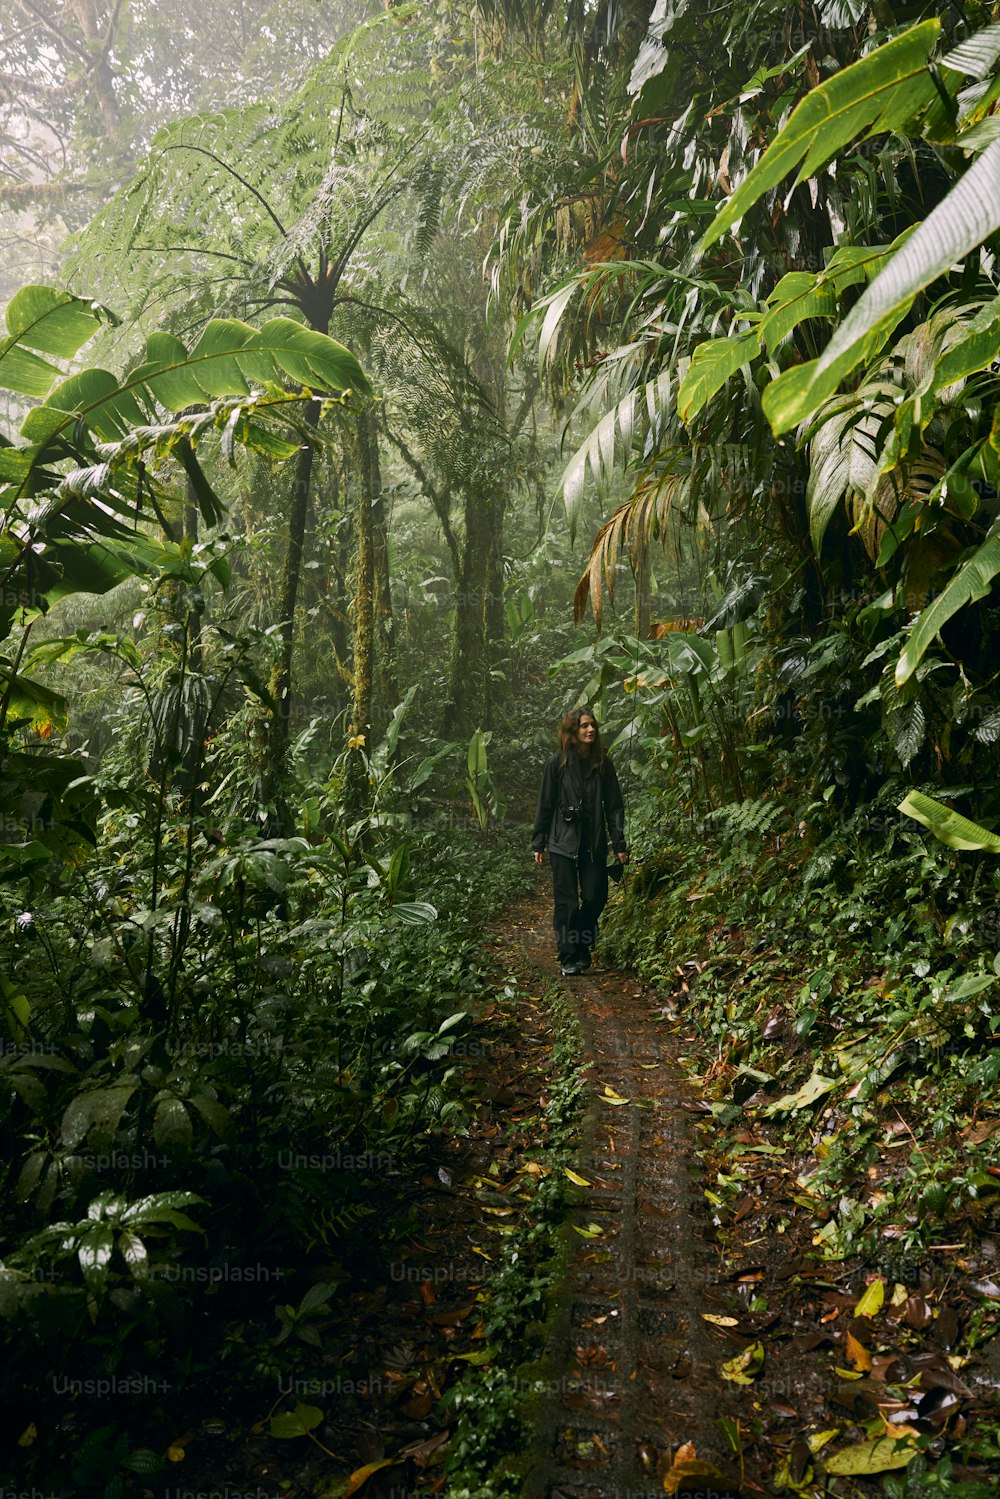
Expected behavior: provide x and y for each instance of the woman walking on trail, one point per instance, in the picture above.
(579, 806)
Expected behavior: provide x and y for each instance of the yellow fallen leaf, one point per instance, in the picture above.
(720, 1321)
(28, 1436)
(879, 1456)
(819, 1439)
(360, 1476)
(857, 1355)
(693, 1476)
(848, 1373)
(745, 1366)
(592, 1231)
(175, 1454)
(580, 1181)
(872, 1301)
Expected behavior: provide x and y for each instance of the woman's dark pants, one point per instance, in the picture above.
(580, 889)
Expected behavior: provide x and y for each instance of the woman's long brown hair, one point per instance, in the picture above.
(567, 736)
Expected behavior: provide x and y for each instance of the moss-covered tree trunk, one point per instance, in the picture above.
(365, 615)
(496, 617)
(280, 685)
(387, 693)
(469, 661)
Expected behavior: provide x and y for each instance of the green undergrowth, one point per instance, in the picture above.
(175, 1198)
(492, 1403)
(846, 993)
(843, 990)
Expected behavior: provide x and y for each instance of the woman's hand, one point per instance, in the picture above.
(539, 857)
(622, 858)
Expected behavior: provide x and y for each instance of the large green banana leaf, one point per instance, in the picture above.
(972, 581)
(948, 826)
(41, 320)
(228, 359)
(967, 216)
(888, 90)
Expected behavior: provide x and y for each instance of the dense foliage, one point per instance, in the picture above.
(357, 355)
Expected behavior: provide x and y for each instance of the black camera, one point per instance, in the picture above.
(570, 814)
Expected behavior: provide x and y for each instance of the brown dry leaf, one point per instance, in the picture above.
(917, 1313)
(452, 1318)
(425, 1453)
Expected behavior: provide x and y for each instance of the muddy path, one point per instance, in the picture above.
(630, 1379)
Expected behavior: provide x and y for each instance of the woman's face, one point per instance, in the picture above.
(586, 731)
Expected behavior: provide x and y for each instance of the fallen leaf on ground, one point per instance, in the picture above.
(879, 1456)
(745, 1366)
(360, 1476)
(872, 1301)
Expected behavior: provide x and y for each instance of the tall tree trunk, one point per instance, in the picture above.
(387, 693)
(496, 617)
(364, 620)
(469, 668)
(643, 602)
(280, 685)
(102, 78)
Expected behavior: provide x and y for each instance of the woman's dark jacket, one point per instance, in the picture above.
(579, 785)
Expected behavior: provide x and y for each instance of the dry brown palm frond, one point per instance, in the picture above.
(630, 530)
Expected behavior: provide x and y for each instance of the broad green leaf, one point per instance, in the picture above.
(51, 321)
(973, 580)
(888, 90)
(977, 55)
(413, 912)
(24, 373)
(94, 1255)
(878, 1456)
(800, 294)
(711, 366)
(811, 1090)
(228, 355)
(110, 408)
(172, 1125)
(977, 350)
(96, 1113)
(47, 321)
(296, 1423)
(799, 392)
(949, 827)
(797, 296)
(967, 216)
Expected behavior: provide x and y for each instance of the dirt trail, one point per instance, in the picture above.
(631, 1372)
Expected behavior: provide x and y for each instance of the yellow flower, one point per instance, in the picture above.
(356, 741)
